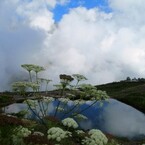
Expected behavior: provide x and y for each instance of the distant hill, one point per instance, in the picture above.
(129, 92)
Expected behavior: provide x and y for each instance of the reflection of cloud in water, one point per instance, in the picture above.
(88, 102)
(51, 108)
(123, 120)
(70, 103)
(114, 117)
(15, 108)
(86, 124)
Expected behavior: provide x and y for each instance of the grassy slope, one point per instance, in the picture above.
(131, 93)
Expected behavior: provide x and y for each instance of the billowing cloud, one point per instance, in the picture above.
(103, 46)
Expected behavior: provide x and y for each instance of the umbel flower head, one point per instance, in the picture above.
(30, 102)
(80, 116)
(65, 80)
(66, 77)
(47, 99)
(60, 109)
(23, 86)
(70, 122)
(64, 100)
(22, 131)
(79, 132)
(79, 102)
(79, 77)
(96, 138)
(56, 133)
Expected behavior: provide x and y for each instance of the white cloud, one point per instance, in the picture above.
(100, 48)
(37, 14)
(103, 46)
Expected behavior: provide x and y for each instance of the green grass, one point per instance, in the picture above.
(131, 93)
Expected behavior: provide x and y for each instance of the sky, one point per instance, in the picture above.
(100, 39)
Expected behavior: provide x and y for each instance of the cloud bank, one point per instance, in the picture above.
(102, 46)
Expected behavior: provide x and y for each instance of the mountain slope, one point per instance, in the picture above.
(131, 93)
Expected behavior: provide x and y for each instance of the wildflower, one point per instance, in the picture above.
(68, 134)
(37, 68)
(66, 77)
(22, 131)
(57, 134)
(18, 135)
(65, 80)
(60, 109)
(20, 86)
(47, 99)
(33, 86)
(32, 103)
(23, 86)
(79, 77)
(79, 132)
(80, 117)
(96, 137)
(70, 122)
(79, 102)
(64, 100)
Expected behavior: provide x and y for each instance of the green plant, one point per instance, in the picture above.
(18, 134)
(70, 122)
(42, 80)
(84, 92)
(29, 68)
(56, 133)
(33, 67)
(96, 137)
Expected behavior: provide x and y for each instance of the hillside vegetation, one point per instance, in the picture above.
(129, 92)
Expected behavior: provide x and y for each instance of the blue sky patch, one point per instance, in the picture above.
(60, 10)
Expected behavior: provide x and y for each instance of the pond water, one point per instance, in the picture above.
(113, 117)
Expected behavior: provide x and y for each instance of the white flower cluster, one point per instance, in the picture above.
(79, 132)
(70, 122)
(22, 86)
(60, 109)
(81, 117)
(96, 138)
(79, 77)
(47, 99)
(22, 131)
(57, 134)
(64, 100)
(79, 102)
(32, 103)
(98, 95)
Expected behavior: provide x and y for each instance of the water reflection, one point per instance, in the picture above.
(113, 117)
